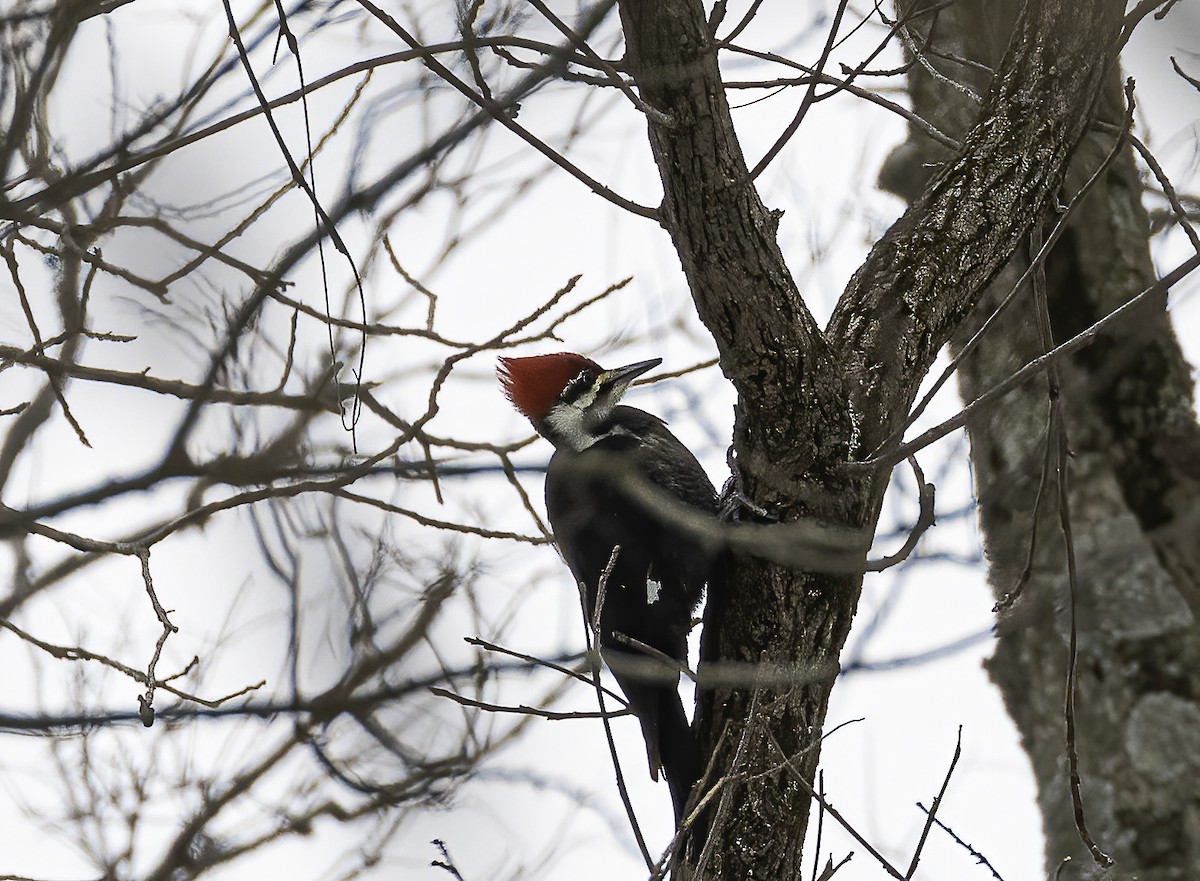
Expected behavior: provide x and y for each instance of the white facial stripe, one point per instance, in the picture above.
(566, 421)
(569, 421)
(585, 400)
(575, 424)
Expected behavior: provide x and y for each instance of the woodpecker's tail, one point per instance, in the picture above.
(677, 749)
(652, 690)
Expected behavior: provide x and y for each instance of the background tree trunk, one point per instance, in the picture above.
(1133, 497)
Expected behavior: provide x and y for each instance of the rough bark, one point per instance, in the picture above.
(1135, 510)
(792, 426)
(809, 401)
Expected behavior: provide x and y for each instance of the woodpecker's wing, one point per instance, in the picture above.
(666, 462)
(668, 465)
(593, 506)
(612, 493)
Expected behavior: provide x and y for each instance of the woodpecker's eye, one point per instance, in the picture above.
(577, 386)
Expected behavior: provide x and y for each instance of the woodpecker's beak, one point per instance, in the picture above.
(619, 378)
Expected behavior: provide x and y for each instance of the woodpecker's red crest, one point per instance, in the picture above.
(534, 383)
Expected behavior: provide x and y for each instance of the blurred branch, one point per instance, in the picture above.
(170, 387)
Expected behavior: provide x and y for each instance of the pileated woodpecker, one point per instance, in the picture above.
(609, 463)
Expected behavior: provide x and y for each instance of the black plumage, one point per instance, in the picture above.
(620, 479)
(628, 488)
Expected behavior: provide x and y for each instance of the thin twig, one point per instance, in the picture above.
(936, 74)
(833, 812)
(651, 651)
(504, 116)
(64, 190)
(1190, 80)
(592, 635)
(925, 519)
(445, 862)
(55, 367)
(866, 94)
(525, 710)
(1101, 858)
(54, 381)
(979, 858)
(741, 25)
(820, 824)
(931, 814)
(695, 805)
(466, 27)
(540, 662)
(1181, 215)
(350, 423)
(78, 653)
(809, 94)
(830, 869)
(653, 114)
(146, 701)
(724, 784)
(1056, 438)
(1048, 456)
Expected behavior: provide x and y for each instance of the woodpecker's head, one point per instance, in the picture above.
(567, 397)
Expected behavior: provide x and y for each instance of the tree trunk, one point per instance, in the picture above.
(1133, 497)
(810, 401)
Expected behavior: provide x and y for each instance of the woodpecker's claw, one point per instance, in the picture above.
(733, 502)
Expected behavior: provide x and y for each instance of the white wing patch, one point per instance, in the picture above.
(653, 589)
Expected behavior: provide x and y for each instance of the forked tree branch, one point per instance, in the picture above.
(811, 400)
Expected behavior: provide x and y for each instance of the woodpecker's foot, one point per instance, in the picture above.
(734, 506)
